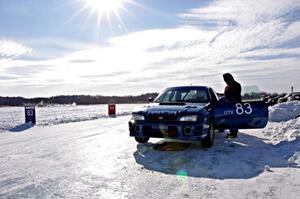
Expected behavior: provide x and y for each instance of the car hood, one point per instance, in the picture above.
(159, 109)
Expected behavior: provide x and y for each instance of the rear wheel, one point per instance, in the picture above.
(209, 140)
(142, 139)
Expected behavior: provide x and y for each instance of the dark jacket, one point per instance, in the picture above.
(232, 90)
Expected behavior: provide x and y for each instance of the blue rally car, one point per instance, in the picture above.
(194, 113)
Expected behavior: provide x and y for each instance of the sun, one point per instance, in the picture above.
(102, 7)
(105, 10)
(108, 11)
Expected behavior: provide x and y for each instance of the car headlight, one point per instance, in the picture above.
(189, 118)
(137, 117)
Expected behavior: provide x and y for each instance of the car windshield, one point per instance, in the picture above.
(192, 95)
(252, 93)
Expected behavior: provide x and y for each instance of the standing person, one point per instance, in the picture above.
(232, 94)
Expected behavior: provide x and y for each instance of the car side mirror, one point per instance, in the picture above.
(150, 99)
(209, 107)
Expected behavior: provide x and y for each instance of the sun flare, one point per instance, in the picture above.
(106, 10)
(104, 6)
(108, 13)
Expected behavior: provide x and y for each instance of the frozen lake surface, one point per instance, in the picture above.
(10, 117)
(98, 159)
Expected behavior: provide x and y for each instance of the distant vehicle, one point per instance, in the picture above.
(284, 98)
(274, 99)
(194, 113)
(294, 96)
(267, 98)
(289, 97)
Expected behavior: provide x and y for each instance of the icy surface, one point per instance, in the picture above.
(97, 159)
(11, 117)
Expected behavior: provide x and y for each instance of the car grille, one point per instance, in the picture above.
(159, 133)
(161, 117)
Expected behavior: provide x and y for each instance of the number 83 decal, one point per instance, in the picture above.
(30, 113)
(241, 109)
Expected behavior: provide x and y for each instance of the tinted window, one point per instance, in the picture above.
(165, 96)
(194, 95)
(213, 96)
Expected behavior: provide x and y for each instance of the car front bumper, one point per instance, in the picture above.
(172, 130)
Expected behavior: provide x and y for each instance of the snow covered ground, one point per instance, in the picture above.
(97, 159)
(49, 115)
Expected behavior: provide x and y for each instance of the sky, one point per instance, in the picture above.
(130, 47)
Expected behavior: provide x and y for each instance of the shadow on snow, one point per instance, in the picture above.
(21, 127)
(246, 157)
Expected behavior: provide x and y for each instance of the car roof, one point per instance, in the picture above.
(189, 87)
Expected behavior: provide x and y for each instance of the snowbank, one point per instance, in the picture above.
(295, 159)
(283, 131)
(282, 124)
(284, 111)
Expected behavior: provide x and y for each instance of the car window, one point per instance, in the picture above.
(252, 93)
(164, 96)
(178, 95)
(190, 95)
(196, 96)
(167, 96)
(213, 96)
(184, 95)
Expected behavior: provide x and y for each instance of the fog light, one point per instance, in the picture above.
(187, 131)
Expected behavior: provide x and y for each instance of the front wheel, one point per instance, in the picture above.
(209, 140)
(142, 139)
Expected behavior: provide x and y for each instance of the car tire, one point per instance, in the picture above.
(142, 139)
(209, 140)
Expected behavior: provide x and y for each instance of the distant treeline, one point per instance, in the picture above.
(77, 99)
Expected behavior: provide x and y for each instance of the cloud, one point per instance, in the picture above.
(27, 70)
(12, 49)
(243, 13)
(47, 48)
(257, 41)
(6, 77)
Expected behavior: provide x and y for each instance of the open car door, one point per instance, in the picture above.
(243, 115)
